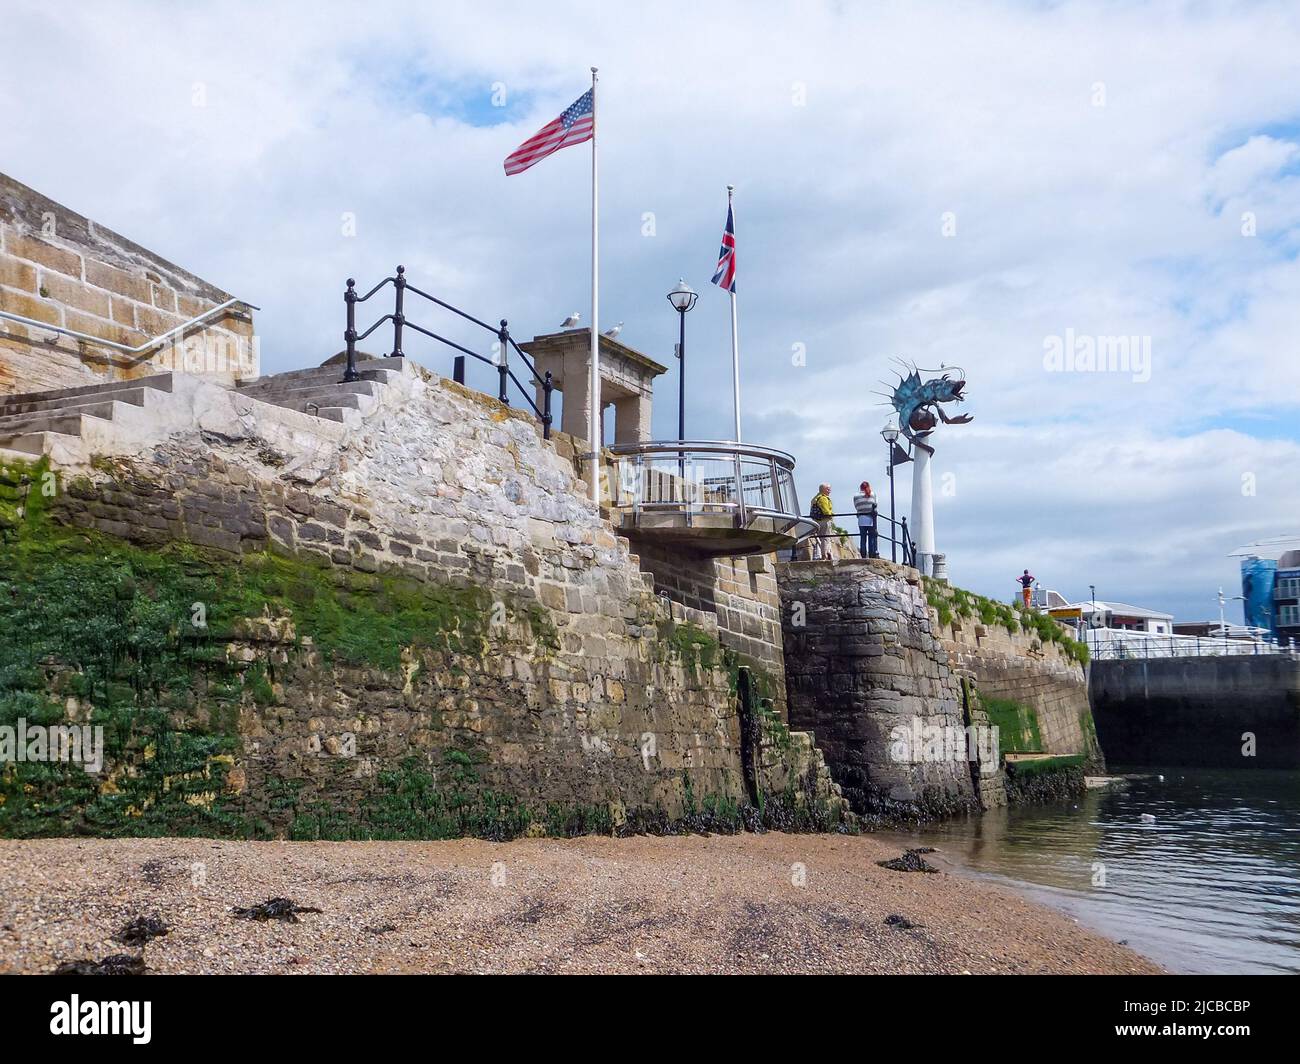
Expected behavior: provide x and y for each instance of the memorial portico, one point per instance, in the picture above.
(626, 381)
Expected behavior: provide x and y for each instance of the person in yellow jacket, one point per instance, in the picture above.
(821, 511)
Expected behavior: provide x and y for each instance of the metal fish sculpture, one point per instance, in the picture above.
(919, 402)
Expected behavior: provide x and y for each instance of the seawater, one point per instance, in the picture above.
(1211, 886)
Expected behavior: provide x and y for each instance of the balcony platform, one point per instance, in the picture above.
(710, 497)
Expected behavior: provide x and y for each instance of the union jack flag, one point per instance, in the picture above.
(575, 125)
(725, 277)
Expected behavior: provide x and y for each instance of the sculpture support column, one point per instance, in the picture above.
(921, 525)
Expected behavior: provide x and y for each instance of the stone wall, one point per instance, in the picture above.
(1020, 666)
(425, 594)
(740, 592)
(1226, 711)
(59, 267)
(864, 668)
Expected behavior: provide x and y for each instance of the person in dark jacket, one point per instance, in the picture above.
(1026, 588)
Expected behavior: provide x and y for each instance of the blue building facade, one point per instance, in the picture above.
(1270, 587)
(1257, 578)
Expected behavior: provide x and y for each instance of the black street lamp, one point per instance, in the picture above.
(682, 298)
(890, 434)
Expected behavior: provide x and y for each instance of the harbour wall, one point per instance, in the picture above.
(1220, 711)
(876, 654)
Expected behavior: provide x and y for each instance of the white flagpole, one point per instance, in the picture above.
(593, 384)
(735, 338)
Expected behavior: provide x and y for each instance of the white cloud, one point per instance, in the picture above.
(1122, 219)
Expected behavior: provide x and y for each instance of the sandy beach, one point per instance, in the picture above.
(732, 904)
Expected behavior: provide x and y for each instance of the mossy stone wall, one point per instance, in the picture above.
(437, 637)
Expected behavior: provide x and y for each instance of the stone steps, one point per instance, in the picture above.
(68, 422)
(270, 388)
(319, 402)
(35, 407)
(8, 403)
(56, 420)
(33, 423)
(40, 423)
(321, 391)
(371, 369)
(336, 410)
(15, 454)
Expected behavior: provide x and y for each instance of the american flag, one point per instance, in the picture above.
(726, 274)
(575, 125)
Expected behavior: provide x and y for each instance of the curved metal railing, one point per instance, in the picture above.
(698, 477)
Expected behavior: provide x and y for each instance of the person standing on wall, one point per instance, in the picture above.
(865, 504)
(1026, 588)
(821, 511)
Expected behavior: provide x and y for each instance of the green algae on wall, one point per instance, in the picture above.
(1017, 724)
(180, 654)
(98, 632)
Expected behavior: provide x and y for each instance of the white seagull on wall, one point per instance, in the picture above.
(570, 321)
(612, 333)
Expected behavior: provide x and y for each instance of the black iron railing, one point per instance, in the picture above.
(505, 342)
(897, 536)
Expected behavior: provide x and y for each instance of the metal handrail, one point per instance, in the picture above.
(399, 320)
(728, 447)
(901, 539)
(123, 347)
(1110, 644)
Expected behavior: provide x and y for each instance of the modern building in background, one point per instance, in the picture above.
(1116, 616)
(1286, 597)
(1270, 586)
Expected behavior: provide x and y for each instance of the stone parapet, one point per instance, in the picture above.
(61, 268)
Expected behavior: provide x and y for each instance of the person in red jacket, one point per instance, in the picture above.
(1026, 587)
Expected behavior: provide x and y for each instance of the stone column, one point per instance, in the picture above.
(632, 419)
(577, 387)
(867, 676)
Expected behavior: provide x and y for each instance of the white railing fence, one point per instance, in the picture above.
(1108, 644)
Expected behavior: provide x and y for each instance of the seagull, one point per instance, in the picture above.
(570, 321)
(612, 333)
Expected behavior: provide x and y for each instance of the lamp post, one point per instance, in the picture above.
(1223, 622)
(890, 433)
(682, 298)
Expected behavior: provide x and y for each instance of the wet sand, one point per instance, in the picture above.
(731, 904)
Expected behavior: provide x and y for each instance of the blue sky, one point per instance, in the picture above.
(1111, 170)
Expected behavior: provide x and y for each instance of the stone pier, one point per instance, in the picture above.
(864, 669)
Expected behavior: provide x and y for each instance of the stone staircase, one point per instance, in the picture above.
(83, 419)
(321, 391)
(28, 420)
